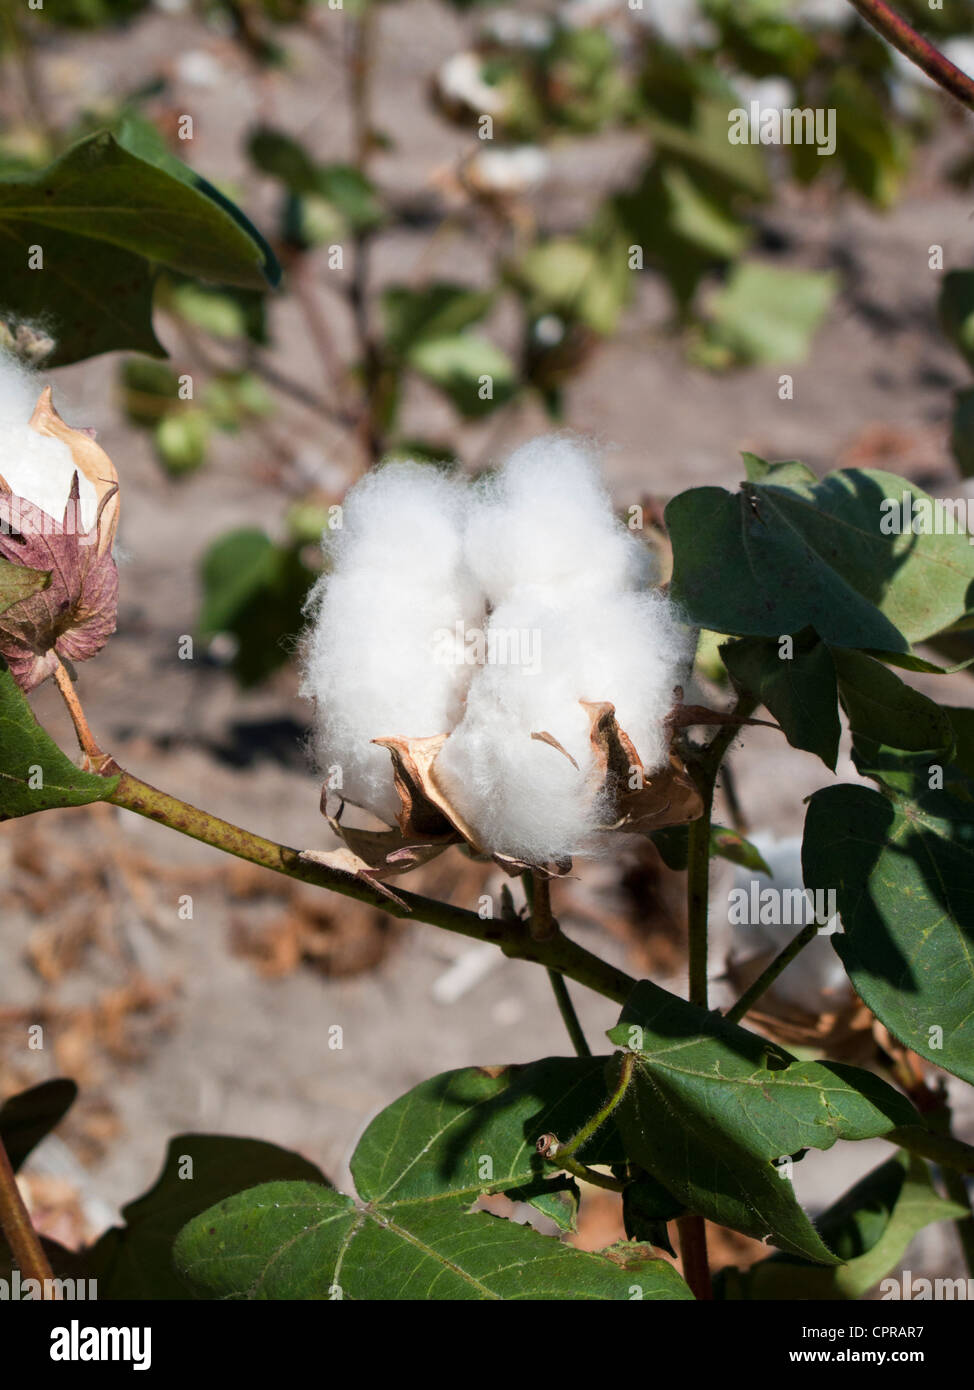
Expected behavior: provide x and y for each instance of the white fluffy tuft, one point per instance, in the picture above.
(397, 578)
(571, 619)
(35, 466)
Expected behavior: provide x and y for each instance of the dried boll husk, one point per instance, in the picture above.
(74, 615)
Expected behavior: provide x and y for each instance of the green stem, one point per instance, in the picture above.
(705, 764)
(918, 49)
(558, 952)
(768, 976)
(942, 1149)
(23, 1240)
(589, 1175)
(567, 1010)
(600, 1117)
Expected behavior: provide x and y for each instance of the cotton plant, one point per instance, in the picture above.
(493, 663)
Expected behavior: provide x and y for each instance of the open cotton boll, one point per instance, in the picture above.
(546, 520)
(521, 796)
(378, 618)
(36, 466)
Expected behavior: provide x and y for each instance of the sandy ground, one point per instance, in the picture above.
(211, 1043)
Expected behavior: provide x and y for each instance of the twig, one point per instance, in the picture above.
(85, 737)
(770, 973)
(15, 1222)
(918, 49)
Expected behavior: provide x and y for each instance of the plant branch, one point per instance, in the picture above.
(693, 1248)
(704, 764)
(567, 1010)
(69, 695)
(600, 1117)
(918, 49)
(558, 952)
(25, 1245)
(771, 972)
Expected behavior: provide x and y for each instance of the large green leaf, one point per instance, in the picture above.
(103, 216)
(902, 867)
(484, 1123)
(135, 1260)
(26, 1118)
(799, 690)
(711, 1107)
(302, 1241)
(789, 552)
(34, 774)
(869, 1227)
(418, 1168)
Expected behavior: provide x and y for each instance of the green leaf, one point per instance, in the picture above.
(711, 1107)
(769, 313)
(343, 186)
(466, 367)
(101, 215)
(956, 307)
(870, 1227)
(438, 310)
(799, 690)
(18, 582)
(301, 1241)
(34, 774)
(495, 1113)
(27, 1118)
(792, 552)
(254, 590)
(962, 431)
(134, 1261)
(576, 280)
(902, 867)
(724, 844)
(882, 707)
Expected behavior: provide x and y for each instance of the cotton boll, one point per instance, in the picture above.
(546, 520)
(35, 466)
(520, 795)
(396, 586)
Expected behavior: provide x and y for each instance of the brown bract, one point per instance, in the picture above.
(75, 615)
(634, 801)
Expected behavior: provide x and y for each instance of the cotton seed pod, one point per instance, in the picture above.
(75, 614)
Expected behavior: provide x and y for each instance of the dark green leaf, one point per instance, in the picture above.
(957, 311)
(882, 707)
(301, 1241)
(788, 553)
(902, 867)
(711, 1108)
(34, 774)
(799, 690)
(26, 1118)
(135, 1260)
(100, 215)
(869, 1227)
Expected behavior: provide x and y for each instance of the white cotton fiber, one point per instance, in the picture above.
(397, 579)
(34, 465)
(520, 795)
(546, 519)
